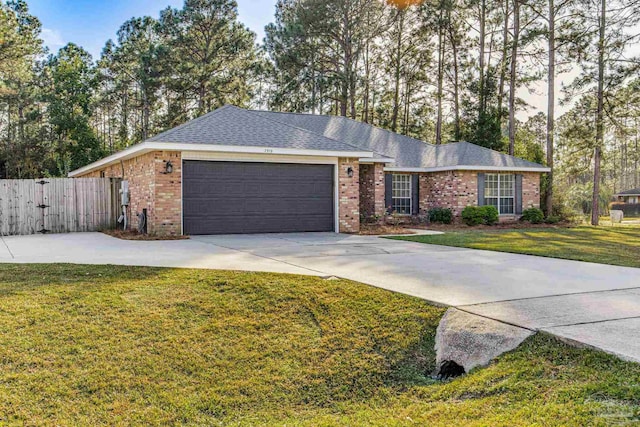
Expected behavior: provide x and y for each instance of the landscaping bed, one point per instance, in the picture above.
(134, 235)
(382, 229)
(112, 345)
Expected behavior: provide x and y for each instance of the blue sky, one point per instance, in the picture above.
(90, 23)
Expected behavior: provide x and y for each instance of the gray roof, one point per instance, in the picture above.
(234, 126)
(632, 192)
(407, 152)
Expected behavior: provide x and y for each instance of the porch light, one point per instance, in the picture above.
(350, 172)
(168, 167)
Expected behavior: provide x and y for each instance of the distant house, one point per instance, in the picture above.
(242, 171)
(629, 196)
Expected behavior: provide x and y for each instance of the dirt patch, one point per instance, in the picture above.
(134, 235)
(380, 229)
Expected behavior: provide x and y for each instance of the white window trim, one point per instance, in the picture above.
(499, 196)
(410, 194)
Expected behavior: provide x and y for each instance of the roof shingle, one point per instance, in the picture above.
(234, 126)
(408, 152)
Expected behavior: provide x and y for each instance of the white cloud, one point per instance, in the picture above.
(52, 39)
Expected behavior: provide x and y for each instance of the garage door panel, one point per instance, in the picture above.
(237, 197)
(265, 188)
(285, 206)
(261, 224)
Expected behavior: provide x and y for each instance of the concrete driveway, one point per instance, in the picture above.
(596, 305)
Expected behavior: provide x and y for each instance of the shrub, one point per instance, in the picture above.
(476, 215)
(472, 215)
(490, 214)
(553, 219)
(441, 215)
(532, 215)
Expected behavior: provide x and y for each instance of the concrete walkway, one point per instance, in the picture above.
(593, 304)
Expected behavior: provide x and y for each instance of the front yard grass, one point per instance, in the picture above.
(619, 245)
(94, 345)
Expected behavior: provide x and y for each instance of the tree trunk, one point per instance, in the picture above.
(597, 157)
(202, 93)
(313, 82)
(503, 62)
(146, 112)
(551, 100)
(512, 77)
(440, 77)
(396, 92)
(407, 102)
(636, 177)
(481, 97)
(457, 132)
(367, 84)
(352, 96)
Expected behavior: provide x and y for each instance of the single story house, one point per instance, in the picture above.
(242, 171)
(629, 196)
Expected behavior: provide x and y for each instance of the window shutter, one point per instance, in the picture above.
(480, 189)
(388, 187)
(518, 194)
(415, 194)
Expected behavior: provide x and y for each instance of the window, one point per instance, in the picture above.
(499, 191)
(401, 194)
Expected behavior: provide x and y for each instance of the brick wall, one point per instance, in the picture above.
(530, 190)
(372, 190)
(348, 196)
(167, 215)
(459, 189)
(149, 188)
(449, 189)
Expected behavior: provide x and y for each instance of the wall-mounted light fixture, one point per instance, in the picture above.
(350, 172)
(168, 167)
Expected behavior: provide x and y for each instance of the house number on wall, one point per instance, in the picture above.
(267, 150)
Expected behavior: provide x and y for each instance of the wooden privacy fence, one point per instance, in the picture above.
(57, 205)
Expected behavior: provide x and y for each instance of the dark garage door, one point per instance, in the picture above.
(244, 197)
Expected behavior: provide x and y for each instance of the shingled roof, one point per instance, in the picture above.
(409, 153)
(233, 129)
(233, 126)
(632, 192)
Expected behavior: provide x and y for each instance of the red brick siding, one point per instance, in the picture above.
(450, 189)
(372, 190)
(167, 215)
(459, 189)
(530, 190)
(348, 196)
(149, 188)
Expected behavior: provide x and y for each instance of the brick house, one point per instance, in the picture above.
(242, 171)
(628, 196)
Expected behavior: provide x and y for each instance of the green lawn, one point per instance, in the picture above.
(91, 345)
(606, 245)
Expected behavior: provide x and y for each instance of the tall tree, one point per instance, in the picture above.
(344, 28)
(213, 54)
(23, 150)
(606, 66)
(513, 76)
(70, 85)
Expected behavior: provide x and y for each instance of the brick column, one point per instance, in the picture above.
(372, 190)
(530, 190)
(348, 195)
(378, 189)
(166, 218)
